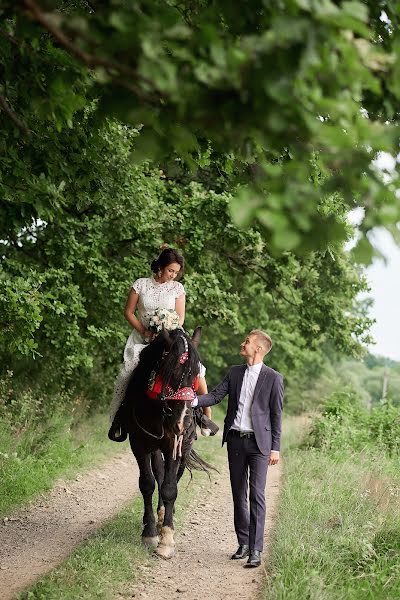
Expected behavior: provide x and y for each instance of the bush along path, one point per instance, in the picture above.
(111, 563)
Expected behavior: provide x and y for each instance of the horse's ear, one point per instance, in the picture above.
(196, 336)
(164, 334)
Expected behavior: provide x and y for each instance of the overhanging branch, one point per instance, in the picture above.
(114, 69)
(12, 116)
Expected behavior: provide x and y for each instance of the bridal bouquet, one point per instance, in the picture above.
(162, 316)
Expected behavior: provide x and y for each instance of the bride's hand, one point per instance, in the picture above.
(148, 335)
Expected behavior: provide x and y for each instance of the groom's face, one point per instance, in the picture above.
(249, 347)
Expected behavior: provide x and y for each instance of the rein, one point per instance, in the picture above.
(153, 435)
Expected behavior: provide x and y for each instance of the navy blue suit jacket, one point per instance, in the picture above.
(266, 408)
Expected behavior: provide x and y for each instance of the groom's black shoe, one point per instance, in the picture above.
(254, 559)
(241, 552)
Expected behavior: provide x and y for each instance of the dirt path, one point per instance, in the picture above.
(35, 540)
(202, 567)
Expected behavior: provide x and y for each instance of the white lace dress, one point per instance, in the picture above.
(152, 295)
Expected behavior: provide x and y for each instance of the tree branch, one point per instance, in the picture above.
(9, 37)
(260, 276)
(34, 10)
(12, 115)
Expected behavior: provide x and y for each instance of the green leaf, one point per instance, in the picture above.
(358, 10)
(363, 252)
(285, 240)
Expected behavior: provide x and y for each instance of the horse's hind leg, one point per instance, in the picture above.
(147, 485)
(157, 464)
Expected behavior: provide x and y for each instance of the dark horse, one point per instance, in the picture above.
(161, 427)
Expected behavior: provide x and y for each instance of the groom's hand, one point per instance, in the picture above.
(273, 458)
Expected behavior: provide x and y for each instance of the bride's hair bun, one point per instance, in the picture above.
(167, 257)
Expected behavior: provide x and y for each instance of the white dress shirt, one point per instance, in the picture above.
(243, 420)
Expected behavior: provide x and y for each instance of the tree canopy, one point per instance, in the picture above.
(239, 133)
(65, 279)
(272, 85)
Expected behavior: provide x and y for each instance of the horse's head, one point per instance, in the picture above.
(179, 371)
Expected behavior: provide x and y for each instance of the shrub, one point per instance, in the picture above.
(384, 426)
(33, 419)
(342, 423)
(345, 423)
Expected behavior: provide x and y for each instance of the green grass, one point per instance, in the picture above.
(338, 530)
(110, 563)
(31, 462)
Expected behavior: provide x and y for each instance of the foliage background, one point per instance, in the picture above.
(65, 278)
(175, 143)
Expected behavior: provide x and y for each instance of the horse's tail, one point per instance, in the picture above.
(194, 462)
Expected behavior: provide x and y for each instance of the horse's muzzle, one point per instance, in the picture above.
(179, 428)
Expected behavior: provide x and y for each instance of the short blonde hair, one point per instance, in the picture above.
(263, 339)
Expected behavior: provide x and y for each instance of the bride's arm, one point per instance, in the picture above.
(129, 313)
(180, 308)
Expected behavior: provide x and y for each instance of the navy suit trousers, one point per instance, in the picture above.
(248, 472)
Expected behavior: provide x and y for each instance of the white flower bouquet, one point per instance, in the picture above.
(160, 317)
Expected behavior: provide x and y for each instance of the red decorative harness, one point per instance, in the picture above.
(185, 394)
(157, 388)
(182, 394)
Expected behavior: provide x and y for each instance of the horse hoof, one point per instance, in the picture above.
(165, 552)
(151, 541)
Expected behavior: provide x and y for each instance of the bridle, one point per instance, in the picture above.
(168, 394)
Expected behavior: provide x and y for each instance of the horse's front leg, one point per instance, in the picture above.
(147, 485)
(157, 465)
(169, 492)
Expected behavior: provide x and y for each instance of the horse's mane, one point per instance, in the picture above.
(152, 358)
(171, 370)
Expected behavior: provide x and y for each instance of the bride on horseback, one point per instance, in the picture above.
(147, 294)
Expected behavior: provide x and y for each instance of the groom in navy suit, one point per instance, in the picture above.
(252, 431)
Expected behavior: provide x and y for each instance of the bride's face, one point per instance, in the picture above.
(169, 272)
